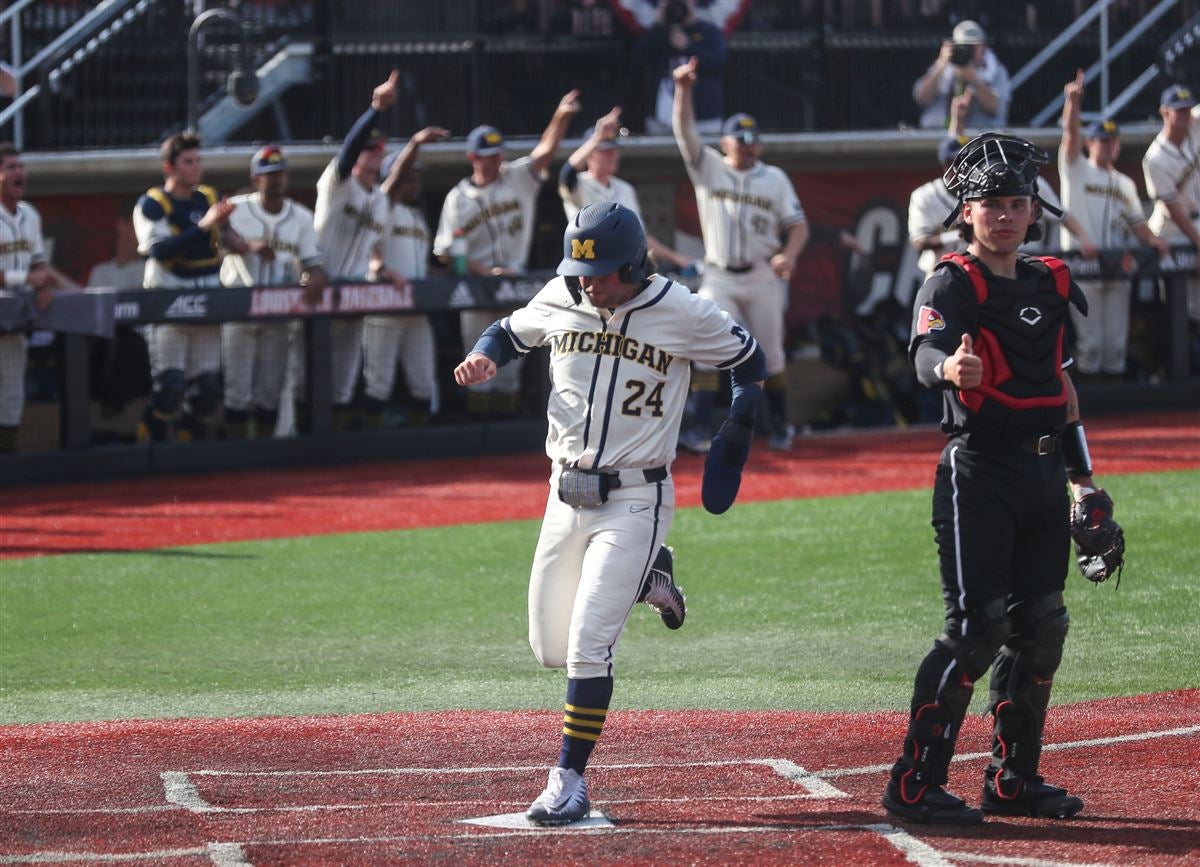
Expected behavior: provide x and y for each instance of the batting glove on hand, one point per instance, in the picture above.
(723, 466)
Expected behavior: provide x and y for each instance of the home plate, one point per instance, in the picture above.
(595, 819)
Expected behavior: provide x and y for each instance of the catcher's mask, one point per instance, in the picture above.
(993, 164)
(604, 238)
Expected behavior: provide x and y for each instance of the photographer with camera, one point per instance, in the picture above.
(677, 35)
(964, 64)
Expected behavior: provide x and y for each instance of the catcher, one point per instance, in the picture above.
(988, 332)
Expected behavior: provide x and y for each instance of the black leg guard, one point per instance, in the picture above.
(1019, 696)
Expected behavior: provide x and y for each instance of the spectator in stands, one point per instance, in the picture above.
(965, 64)
(676, 36)
(590, 175)
(24, 272)
(489, 216)
(1107, 202)
(181, 228)
(8, 80)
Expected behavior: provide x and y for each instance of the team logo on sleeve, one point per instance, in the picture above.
(929, 320)
(585, 249)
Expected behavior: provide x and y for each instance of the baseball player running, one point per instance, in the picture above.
(620, 341)
(590, 175)
(493, 209)
(351, 219)
(404, 256)
(181, 227)
(745, 206)
(281, 244)
(1172, 179)
(23, 269)
(1107, 204)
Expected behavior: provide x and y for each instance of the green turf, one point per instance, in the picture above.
(809, 604)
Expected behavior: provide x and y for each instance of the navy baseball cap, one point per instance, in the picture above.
(268, 160)
(485, 141)
(948, 148)
(1103, 129)
(606, 144)
(741, 126)
(1177, 96)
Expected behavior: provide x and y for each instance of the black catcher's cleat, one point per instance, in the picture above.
(929, 805)
(1026, 796)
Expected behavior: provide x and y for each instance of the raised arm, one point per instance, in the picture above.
(1072, 142)
(408, 156)
(543, 153)
(381, 100)
(684, 112)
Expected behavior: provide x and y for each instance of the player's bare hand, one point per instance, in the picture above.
(1088, 250)
(217, 215)
(782, 266)
(685, 74)
(41, 277)
(261, 248)
(397, 279)
(385, 94)
(315, 281)
(960, 107)
(609, 126)
(476, 368)
(964, 368)
(1160, 246)
(430, 134)
(569, 105)
(944, 54)
(1073, 91)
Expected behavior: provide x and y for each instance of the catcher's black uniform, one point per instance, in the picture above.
(1001, 520)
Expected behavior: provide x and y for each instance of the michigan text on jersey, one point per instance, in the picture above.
(612, 345)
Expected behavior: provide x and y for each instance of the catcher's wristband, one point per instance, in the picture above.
(1075, 451)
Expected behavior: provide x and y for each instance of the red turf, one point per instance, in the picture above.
(382, 789)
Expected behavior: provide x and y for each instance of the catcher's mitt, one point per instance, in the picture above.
(1099, 540)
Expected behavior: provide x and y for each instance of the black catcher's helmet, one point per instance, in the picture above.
(994, 164)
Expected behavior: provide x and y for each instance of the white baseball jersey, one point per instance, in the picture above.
(743, 214)
(406, 242)
(1104, 201)
(1172, 175)
(497, 220)
(290, 233)
(928, 207)
(21, 247)
(21, 244)
(350, 222)
(619, 381)
(588, 191)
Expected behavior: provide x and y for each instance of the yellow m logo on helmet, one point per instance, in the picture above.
(585, 249)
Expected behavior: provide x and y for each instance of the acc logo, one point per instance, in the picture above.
(1030, 315)
(188, 306)
(585, 249)
(928, 320)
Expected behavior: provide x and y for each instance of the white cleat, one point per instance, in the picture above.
(781, 440)
(564, 800)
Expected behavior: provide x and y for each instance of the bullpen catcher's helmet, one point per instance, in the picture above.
(605, 238)
(995, 165)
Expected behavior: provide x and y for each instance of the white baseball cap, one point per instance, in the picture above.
(968, 33)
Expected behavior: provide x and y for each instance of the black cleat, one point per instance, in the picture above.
(660, 591)
(1031, 796)
(932, 805)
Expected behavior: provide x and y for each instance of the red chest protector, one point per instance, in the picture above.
(1020, 342)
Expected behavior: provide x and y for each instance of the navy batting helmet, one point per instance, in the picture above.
(605, 238)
